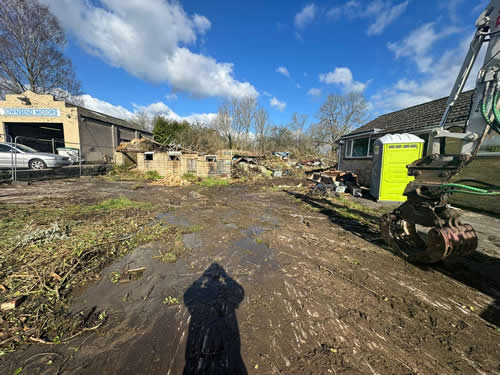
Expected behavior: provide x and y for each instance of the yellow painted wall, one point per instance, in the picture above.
(3, 138)
(68, 116)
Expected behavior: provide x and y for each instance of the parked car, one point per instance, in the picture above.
(27, 157)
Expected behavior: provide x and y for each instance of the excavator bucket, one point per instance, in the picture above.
(420, 247)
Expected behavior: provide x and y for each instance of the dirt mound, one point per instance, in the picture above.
(171, 181)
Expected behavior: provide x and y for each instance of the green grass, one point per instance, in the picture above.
(58, 247)
(152, 175)
(192, 229)
(214, 181)
(191, 178)
(355, 211)
(119, 203)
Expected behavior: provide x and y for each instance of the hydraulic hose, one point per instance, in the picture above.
(496, 112)
(466, 189)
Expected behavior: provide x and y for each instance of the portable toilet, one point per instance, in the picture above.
(389, 175)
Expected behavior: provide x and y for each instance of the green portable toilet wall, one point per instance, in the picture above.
(389, 175)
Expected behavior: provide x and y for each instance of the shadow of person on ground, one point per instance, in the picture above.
(213, 344)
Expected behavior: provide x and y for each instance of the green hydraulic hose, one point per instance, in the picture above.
(496, 112)
(473, 193)
(484, 111)
(456, 188)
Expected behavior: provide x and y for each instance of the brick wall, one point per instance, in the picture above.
(188, 163)
(158, 164)
(361, 167)
(123, 160)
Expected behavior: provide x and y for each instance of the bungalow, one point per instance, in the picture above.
(356, 148)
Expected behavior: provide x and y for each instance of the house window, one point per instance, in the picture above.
(174, 157)
(348, 149)
(359, 148)
(148, 156)
(491, 144)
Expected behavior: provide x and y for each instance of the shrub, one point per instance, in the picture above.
(191, 178)
(152, 175)
(214, 181)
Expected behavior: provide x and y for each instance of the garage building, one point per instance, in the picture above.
(45, 124)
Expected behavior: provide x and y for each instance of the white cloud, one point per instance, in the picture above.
(275, 103)
(419, 42)
(305, 16)
(267, 93)
(382, 13)
(314, 92)
(343, 77)
(172, 96)
(283, 70)
(149, 40)
(201, 23)
(451, 7)
(158, 108)
(102, 106)
(436, 82)
(480, 7)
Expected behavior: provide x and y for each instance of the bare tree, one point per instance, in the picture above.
(31, 57)
(297, 124)
(223, 123)
(261, 126)
(337, 116)
(142, 120)
(242, 115)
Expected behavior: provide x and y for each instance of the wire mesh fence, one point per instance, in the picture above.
(22, 153)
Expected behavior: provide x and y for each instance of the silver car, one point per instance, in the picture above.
(27, 157)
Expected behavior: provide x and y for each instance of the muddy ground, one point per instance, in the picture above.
(273, 282)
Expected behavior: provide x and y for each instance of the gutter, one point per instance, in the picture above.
(367, 132)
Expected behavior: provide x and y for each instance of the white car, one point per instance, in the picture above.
(27, 157)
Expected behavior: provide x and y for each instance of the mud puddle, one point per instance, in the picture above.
(192, 241)
(172, 218)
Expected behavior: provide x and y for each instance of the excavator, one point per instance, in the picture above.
(426, 229)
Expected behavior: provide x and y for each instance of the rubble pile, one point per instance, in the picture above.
(335, 181)
(148, 145)
(250, 169)
(311, 163)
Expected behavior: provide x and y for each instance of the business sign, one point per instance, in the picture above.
(30, 112)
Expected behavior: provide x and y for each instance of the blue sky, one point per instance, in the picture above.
(184, 58)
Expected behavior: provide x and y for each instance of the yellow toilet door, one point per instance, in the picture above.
(394, 176)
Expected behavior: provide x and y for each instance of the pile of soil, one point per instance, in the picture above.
(171, 181)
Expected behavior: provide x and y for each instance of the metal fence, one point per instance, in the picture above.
(78, 153)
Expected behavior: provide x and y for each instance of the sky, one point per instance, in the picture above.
(183, 59)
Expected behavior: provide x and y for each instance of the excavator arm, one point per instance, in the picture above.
(425, 228)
